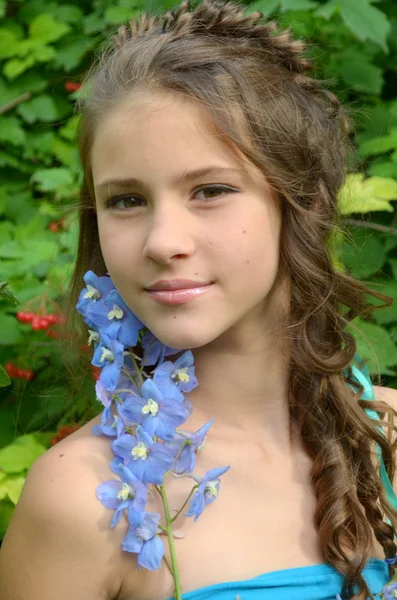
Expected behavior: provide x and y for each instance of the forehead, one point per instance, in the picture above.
(169, 134)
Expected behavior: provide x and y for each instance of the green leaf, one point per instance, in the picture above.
(20, 207)
(374, 343)
(93, 23)
(363, 196)
(39, 145)
(383, 168)
(49, 180)
(22, 249)
(68, 13)
(21, 454)
(6, 293)
(8, 43)
(40, 108)
(64, 152)
(46, 28)
(69, 130)
(12, 486)
(6, 512)
(70, 52)
(366, 21)
(4, 379)
(7, 160)
(390, 242)
(11, 130)
(384, 316)
(117, 14)
(363, 254)
(360, 73)
(295, 5)
(379, 145)
(327, 10)
(15, 67)
(11, 332)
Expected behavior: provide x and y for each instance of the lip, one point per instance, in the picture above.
(178, 296)
(176, 284)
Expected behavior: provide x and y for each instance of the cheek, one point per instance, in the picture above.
(118, 249)
(252, 248)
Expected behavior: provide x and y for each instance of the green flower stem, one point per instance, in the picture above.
(140, 378)
(170, 535)
(184, 504)
(168, 565)
(125, 390)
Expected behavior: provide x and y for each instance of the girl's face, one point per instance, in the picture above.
(220, 226)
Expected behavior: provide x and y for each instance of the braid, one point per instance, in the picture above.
(225, 20)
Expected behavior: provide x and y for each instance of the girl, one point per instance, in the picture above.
(212, 161)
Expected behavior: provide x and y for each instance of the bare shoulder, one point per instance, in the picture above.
(59, 542)
(388, 395)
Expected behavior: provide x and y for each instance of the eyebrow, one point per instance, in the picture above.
(183, 177)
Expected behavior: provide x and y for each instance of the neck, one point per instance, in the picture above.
(244, 386)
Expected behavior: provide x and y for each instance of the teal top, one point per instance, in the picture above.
(314, 582)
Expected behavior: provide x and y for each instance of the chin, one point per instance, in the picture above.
(182, 340)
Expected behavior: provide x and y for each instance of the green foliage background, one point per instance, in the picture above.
(46, 44)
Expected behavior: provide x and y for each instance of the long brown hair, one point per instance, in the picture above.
(254, 81)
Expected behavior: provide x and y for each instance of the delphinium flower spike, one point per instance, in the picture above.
(143, 434)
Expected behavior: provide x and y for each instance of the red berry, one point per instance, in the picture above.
(72, 86)
(29, 316)
(25, 374)
(96, 371)
(43, 323)
(53, 227)
(10, 369)
(36, 323)
(21, 316)
(63, 432)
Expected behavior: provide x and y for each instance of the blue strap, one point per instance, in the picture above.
(368, 394)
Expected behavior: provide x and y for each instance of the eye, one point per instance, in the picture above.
(215, 191)
(128, 200)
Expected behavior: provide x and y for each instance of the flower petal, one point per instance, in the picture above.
(131, 542)
(152, 553)
(107, 493)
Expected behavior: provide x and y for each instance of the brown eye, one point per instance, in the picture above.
(128, 201)
(214, 191)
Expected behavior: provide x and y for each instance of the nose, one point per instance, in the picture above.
(169, 234)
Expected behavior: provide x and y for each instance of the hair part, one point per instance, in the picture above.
(254, 82)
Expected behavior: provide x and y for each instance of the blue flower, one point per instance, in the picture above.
(111, 425)
(389, 591)
(102, 394)
(148, 460)
(128, 494)
(157, 414)
(114, 313)
(178, 376)
(97, 287)
(206, 493)
(154, 350)
(184, 446)
(144, 541)
(109, 355)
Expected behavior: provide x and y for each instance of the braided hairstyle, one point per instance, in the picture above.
(255, 82)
